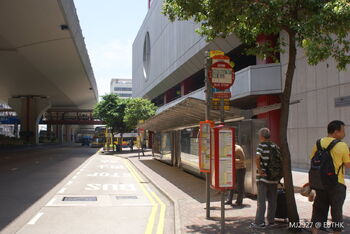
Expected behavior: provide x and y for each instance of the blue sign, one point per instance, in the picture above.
(9, 120)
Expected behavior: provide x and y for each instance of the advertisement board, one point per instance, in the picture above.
(223, 158)
(204, 145)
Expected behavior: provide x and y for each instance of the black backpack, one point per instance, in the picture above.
(274, 170)
(322, 173)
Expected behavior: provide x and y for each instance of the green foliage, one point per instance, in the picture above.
(138, 109)
(321, 27)
(111, 110)
(122, 115)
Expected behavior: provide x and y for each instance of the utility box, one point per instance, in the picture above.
(222, 166)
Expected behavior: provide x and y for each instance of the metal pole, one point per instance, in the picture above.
(222, 112)
(222, 120)
(222, 221)
(207, 194)
(208, 87)
(208, 92)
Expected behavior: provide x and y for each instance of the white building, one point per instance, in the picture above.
(122, 87)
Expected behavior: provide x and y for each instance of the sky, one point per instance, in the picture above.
(109, 28)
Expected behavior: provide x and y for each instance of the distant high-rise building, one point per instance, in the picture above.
(122, 87)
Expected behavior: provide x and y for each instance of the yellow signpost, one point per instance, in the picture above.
(213, 53)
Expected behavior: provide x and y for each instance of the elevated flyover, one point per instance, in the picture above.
(43, 60)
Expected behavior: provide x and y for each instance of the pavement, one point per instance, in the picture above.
(187, 192)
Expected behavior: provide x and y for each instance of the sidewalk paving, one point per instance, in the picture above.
(187, 192)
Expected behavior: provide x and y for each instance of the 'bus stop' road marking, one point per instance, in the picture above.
(35, 218)
(50, 203)
(62, 190)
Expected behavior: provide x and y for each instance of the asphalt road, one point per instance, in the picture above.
(73, 189)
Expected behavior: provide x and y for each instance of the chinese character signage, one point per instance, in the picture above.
(204, 145)
(223, 173)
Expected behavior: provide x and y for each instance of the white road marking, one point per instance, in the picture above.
(70, 182)
(107, 174)
(111, 167)
(35, 218)
(137, 204)
(14, 169)
(62, 190)
(110, 187)
(50, 203)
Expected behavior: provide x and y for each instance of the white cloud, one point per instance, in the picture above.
(111, 60)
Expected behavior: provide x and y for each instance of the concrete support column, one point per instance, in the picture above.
(60, 129)
(29, 109)
(15, 131)
(49, 131)
(69, 133)
(74, 129)
(55, 132)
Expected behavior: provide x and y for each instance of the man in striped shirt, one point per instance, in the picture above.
(267, 189)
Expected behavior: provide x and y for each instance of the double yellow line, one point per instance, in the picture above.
(152, 196)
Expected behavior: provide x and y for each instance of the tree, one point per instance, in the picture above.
(111, 110)
(320, 27)
(138, 109)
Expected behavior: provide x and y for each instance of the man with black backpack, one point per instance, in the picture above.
(328, 158)
(269, 173)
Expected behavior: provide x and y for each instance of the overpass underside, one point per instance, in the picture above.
(43, 61)
(63, 125)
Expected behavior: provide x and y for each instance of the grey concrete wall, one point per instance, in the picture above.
(316, 87)
(177, 52)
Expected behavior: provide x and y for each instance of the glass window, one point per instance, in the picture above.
(146, 56)
(122, 89)
(189, 141)
(125, 94)
(189, 149)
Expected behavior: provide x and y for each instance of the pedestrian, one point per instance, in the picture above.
(240, 176)
(131, 144)
(334, 190)
(267, 154)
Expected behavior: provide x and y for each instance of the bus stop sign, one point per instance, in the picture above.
(221, 75)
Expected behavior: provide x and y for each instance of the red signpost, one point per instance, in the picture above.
(221, 75)
(222, 140)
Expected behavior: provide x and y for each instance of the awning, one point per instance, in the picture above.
(191, 111)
